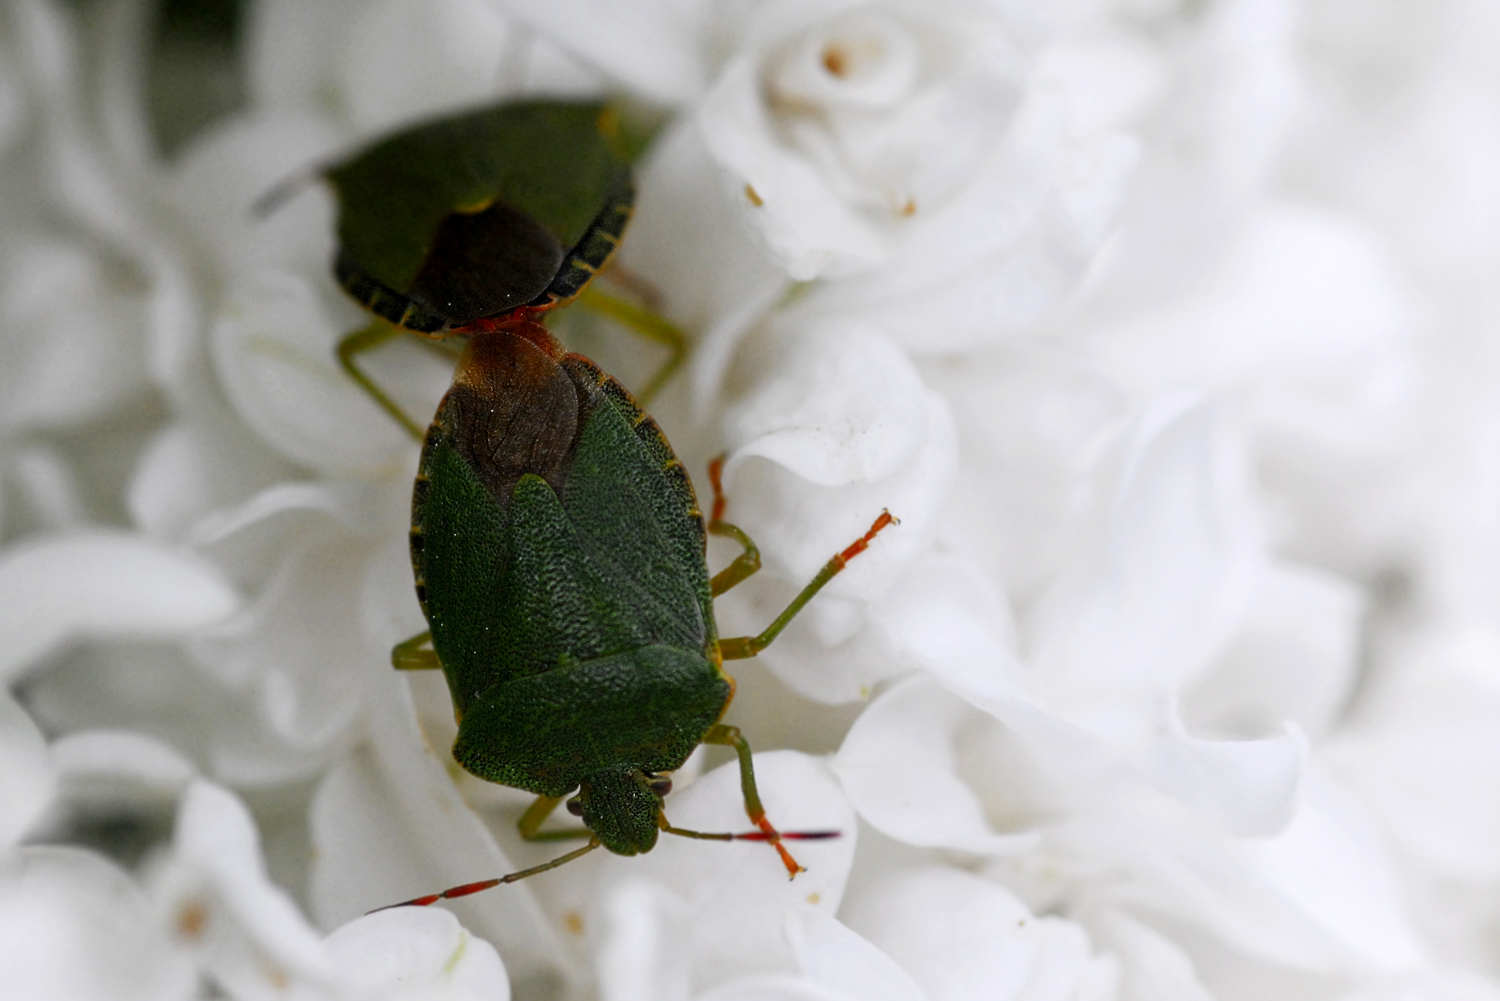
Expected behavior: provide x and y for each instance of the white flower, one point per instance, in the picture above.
(854, 129)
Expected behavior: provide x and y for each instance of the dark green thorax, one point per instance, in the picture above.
(479, 214)
(559, 555)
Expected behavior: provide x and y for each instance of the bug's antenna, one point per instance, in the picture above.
(485, 884)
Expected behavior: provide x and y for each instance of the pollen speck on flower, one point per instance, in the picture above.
(192, 918)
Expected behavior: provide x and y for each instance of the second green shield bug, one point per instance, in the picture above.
(559, 549)
(485, 217)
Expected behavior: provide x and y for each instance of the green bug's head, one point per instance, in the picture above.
(623, 808)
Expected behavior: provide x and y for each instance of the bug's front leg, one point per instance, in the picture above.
(721, 733)
(530, 824)
(368, 339)
(644, 323)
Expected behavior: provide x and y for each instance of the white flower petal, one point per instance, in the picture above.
(74, 926)
(846, 431)
(949, 616)
(962, 937)
(435, 55)
(274, 346)
(652, 48)
(736, 892)
(297, 647)
(770, 987)
(287, 43)
(1294, 657)
(941, 614)
(1425, 762)
(101, 584)
(1248, 786)
(1154, 967)
(27, 784)
(102, 765)
(643, 955)
(1032, 422)
(898, 766)
(1333, 864)
(687, 239)
(835, 957)
(196, 466)
(418, 953)
(1443, 985)
(247, 933)
(389, 825)
(56, 376)
(1158, 581)
(802, 222)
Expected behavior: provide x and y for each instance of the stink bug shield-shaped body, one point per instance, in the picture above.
(559, 548)
(479, 215)
(484, 218)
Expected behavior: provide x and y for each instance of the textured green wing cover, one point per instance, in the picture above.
(552, 525)
(474, 214)
(647, 709)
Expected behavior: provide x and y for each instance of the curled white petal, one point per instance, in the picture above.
(736, 892)
(388, 825)
(1159, 579)
(642, 957)
(960, 937)
(846, 429)
(27, 782)
(246, 932)
(72, 925)
(106, 765)
(102, 584)
(835, 957)
(899, 767)
(655, 48)
(420, 953)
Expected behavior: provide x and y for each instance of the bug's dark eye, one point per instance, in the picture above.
(575, 806)
(659, 784)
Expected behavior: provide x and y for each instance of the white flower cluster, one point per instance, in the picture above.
(1165, 328)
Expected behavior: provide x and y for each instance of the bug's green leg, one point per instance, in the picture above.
(485, 884)
(747, 562)
(740, 647)
(410, 655)
(536, 814)
(368, 339)
(647, 324)
(721, 733)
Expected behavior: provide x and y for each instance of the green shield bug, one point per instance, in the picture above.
(559, 554)
(492, 215)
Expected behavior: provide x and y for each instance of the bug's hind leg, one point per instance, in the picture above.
(368, 339)
(645, 323)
